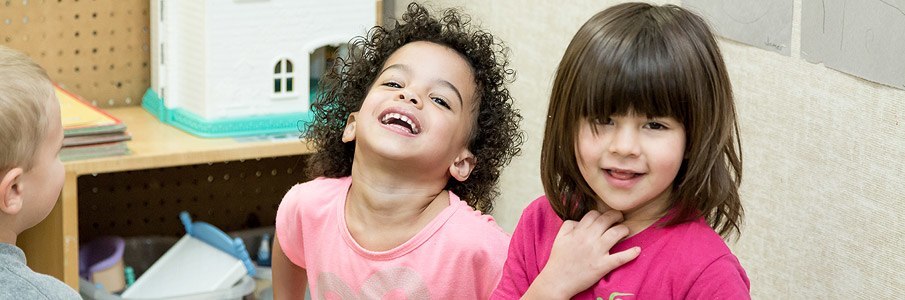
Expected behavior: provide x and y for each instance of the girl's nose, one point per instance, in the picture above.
(624, 143)
(411, 98)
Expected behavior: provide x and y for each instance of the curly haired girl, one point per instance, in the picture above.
(417, 117)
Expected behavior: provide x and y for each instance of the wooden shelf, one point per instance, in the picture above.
(52, 245)
(158, 145)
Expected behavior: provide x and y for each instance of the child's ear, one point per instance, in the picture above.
(463, 165)
(11, 192)
(349, 132)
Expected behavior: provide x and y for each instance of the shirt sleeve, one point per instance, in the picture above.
(515, 280)
(289, 226)
(722, 279)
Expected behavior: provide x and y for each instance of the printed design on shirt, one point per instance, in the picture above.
(402, 280)
(617, 296)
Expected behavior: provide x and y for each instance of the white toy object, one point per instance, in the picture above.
(227, 67)
(205, 260)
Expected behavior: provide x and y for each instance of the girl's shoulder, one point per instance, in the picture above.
(322, 186)
(700, 245)
(475, 222)
(540, 213)
(316, 193)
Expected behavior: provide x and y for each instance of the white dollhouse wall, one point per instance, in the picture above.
(238, 58)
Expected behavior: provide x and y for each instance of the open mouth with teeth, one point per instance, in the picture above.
(401, 121)
(622, 174)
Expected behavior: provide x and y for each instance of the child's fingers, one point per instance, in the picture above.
(567, 227)
(613, 235)
(620, 258)
(588, 219)
(609, 218)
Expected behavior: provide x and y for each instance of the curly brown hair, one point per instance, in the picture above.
(496, 137)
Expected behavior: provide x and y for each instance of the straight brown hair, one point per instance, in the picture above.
(659, 61)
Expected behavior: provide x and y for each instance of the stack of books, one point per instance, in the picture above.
(88, 132)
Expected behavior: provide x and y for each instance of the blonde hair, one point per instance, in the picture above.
(25, 89)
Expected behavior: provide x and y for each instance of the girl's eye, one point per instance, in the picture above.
(441, 102)
(655, 126)
(603, 121)
(392, 85)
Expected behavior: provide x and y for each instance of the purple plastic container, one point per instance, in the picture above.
(100, 254)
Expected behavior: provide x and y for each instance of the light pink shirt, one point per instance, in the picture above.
(458, 255)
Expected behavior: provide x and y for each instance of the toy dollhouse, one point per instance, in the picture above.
(242, 67)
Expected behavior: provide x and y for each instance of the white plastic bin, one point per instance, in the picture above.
(245, 287)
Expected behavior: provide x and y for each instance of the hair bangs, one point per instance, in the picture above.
(636, 75)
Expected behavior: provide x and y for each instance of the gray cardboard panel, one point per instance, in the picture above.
(865, 38)
(766, 24)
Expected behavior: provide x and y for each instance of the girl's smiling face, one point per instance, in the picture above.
(631, 161)
(420, 108)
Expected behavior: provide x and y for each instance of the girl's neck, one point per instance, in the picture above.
(642, 217)
(385, 209)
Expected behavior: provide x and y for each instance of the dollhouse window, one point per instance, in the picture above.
(283, 76)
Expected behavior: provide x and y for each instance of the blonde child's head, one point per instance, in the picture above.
(31, 133)
(25, 90)
(650, 61)
(494, 137)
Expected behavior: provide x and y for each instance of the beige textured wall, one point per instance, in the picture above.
(824, 155)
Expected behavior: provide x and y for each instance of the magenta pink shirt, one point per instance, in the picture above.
(685, 261)
(458, 255)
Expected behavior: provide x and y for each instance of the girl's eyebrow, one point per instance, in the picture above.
(405, 69)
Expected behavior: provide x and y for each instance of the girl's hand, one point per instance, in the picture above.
(580, 256)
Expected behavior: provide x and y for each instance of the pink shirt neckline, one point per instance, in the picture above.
(404, 248)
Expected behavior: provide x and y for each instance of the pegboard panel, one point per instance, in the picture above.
(97, 49)
(230, 195)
